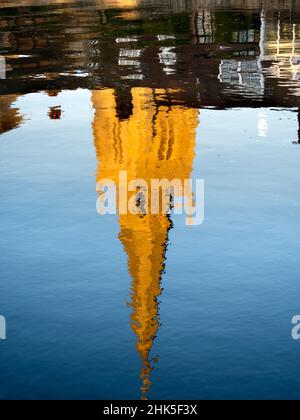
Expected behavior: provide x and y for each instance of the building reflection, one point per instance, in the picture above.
(150, 141)
(10, 116)
(222, 54)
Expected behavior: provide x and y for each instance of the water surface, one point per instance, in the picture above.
(124, 307)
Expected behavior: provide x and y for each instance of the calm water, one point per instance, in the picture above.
(130, 307)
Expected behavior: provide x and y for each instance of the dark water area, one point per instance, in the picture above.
(129, 307)
(214, 56)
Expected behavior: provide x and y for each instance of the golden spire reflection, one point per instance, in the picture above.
(149, 141)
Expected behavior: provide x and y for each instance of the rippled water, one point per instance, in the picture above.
(129, 307)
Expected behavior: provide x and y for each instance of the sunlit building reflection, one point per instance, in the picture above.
(10, 116)
(151, 141)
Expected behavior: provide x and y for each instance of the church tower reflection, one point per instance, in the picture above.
(150, 139)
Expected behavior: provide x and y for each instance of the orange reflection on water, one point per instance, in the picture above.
(10, 116)
(151, 141)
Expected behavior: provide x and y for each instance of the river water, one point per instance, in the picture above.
(130, 307)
